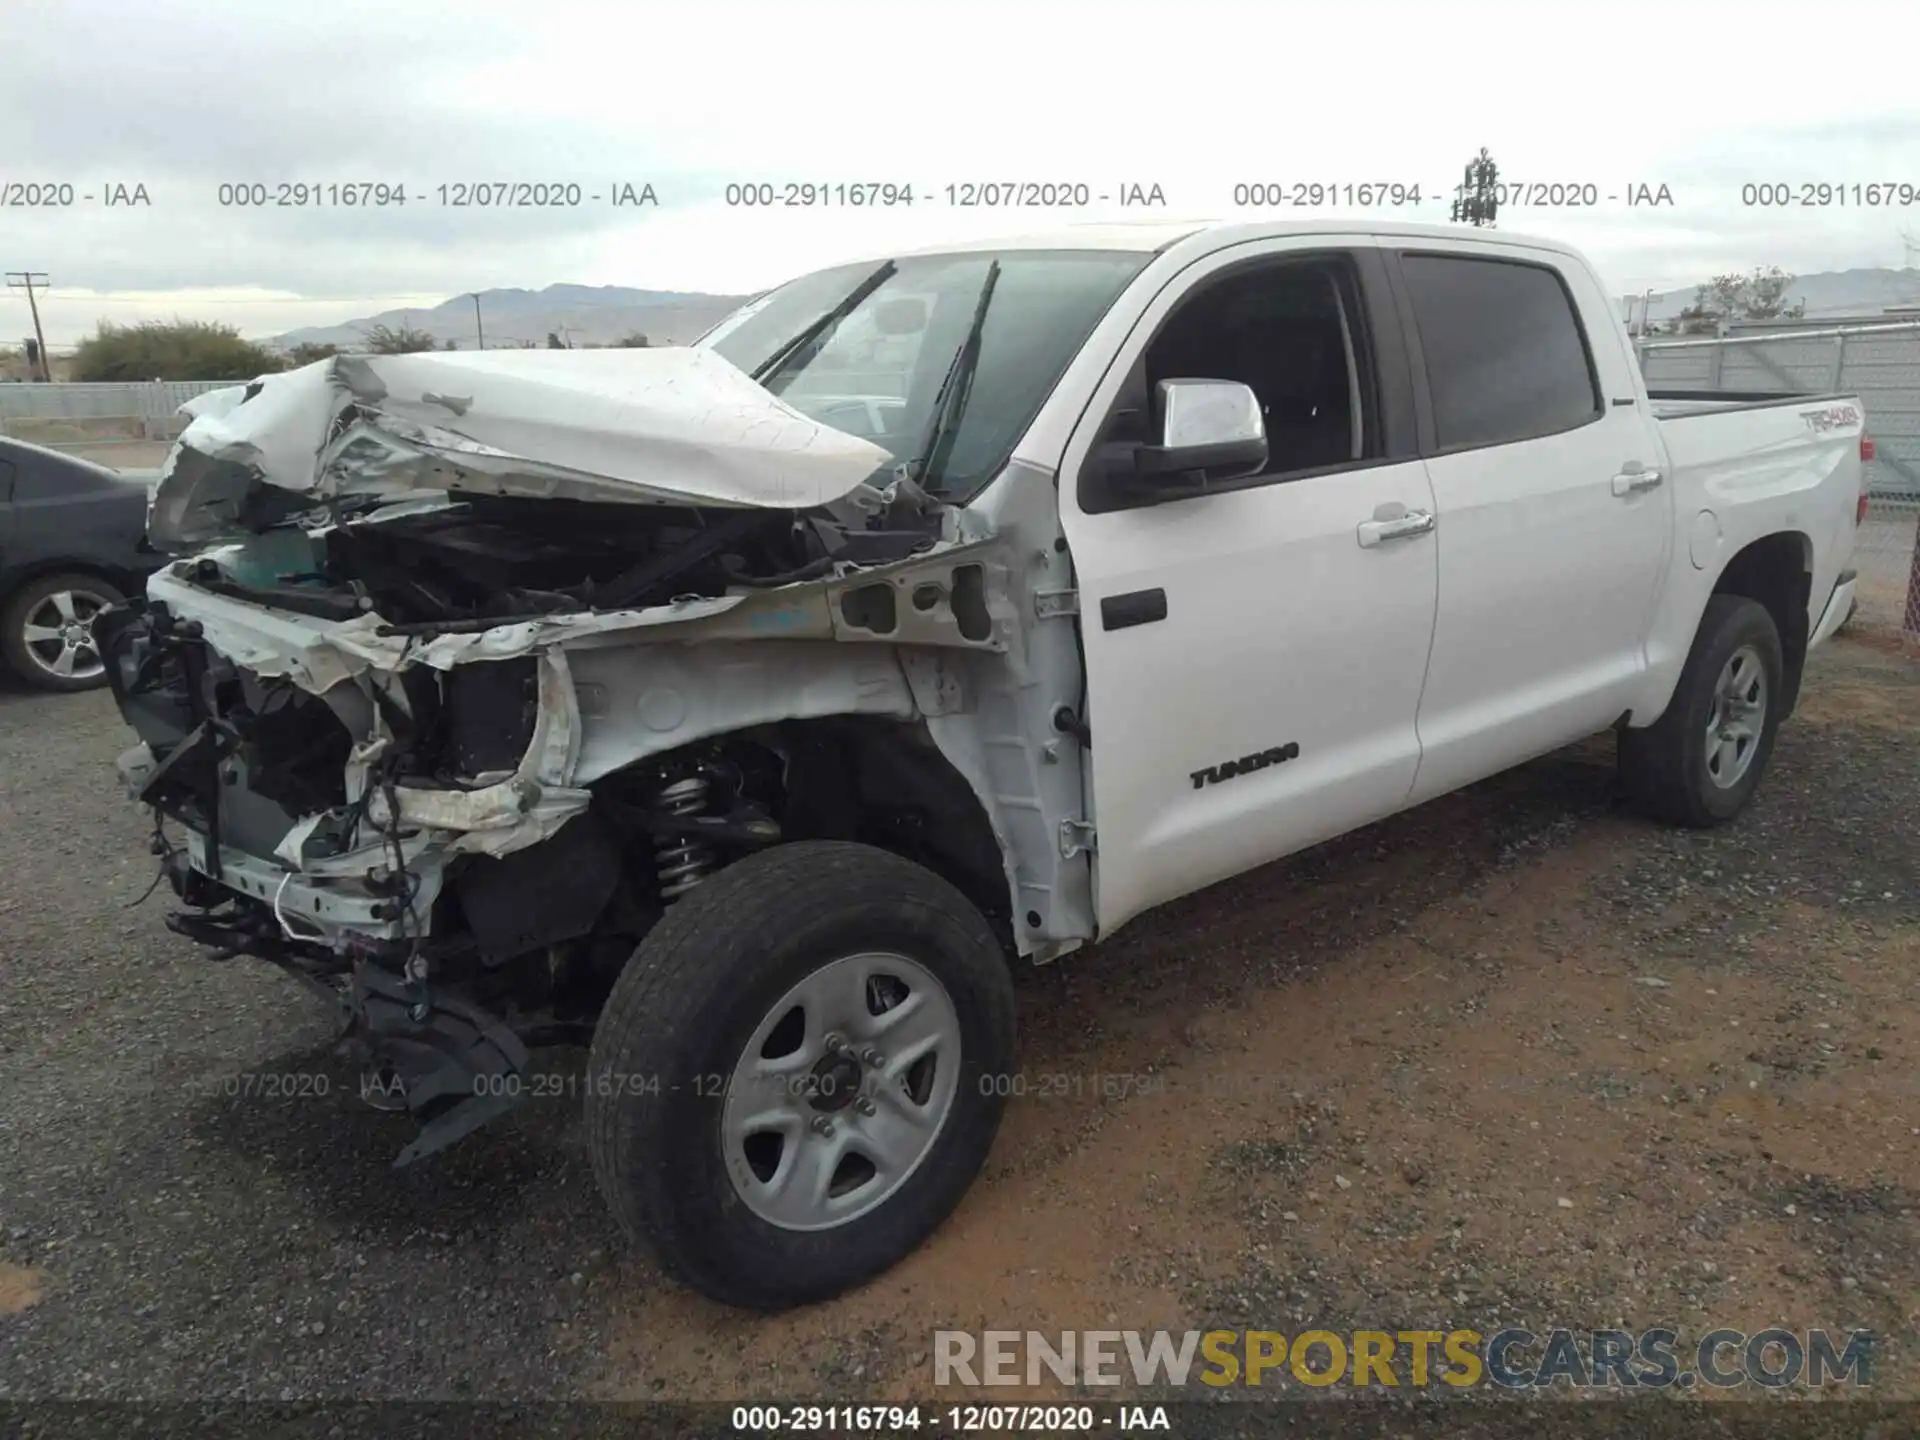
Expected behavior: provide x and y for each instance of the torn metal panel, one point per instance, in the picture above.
(953, 595)
(994, 718)
(527, 806)
(640, 701)
(669, 425)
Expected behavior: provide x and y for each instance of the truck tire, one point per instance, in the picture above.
(46, 631)
(800, 1072)
(1700, 762)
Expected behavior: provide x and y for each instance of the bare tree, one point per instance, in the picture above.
(401, 340)
(1727, 299)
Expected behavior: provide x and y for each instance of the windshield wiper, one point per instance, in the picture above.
(775, 362)
(952, 399)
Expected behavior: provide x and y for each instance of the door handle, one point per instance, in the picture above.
(1400, 527)
(1632, 482)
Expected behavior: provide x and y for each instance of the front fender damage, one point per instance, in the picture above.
(619, 687)
(941, 640)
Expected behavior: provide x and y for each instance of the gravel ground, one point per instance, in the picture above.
(1512, 998)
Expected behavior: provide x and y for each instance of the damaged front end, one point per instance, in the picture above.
(444, 750)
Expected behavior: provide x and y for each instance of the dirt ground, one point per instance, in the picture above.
(1515, 1057)
(1887, 590)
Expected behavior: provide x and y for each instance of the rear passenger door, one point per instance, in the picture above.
(1549, 560)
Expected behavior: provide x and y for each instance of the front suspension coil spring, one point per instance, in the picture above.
(681, 861)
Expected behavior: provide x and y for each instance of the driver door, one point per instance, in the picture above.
(1254, 652)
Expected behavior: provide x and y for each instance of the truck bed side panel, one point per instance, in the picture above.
(1739, 475)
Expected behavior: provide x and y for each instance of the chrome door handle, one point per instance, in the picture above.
(1631, 482)
(1372, 532)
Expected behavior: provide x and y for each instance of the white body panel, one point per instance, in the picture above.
(1562, 601)
(1756, 471)
(672, 425)
(1548, 576)
(1263, 646)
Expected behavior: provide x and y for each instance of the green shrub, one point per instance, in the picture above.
(171, 350)
(306, 353)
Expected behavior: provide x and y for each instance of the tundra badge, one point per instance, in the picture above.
(1214, 774)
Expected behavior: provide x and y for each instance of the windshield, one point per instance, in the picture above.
(879, 371)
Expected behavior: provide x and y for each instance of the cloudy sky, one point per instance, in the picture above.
(181, 98)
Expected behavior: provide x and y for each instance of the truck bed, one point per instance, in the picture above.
(1684, 404)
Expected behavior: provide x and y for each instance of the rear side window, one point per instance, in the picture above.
(1505, 356)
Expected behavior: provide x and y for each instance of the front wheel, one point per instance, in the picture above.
(795, 1078)
(1700, 762)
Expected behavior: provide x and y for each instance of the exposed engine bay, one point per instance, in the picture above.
(417, 843)
(447, 969)
(475, 562)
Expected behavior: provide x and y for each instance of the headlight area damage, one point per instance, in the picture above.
(441, 728)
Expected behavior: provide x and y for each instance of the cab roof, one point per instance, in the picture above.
(1161, 234)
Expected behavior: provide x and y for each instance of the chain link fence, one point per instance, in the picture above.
(1887, 593)
(128, 426)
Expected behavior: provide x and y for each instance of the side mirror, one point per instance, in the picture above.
(1210, 430)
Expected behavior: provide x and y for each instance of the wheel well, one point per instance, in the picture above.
(861, 778)
(1777, 571)
(886, 783)
(554, 923)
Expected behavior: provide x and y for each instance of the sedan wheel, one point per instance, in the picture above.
(48, 637)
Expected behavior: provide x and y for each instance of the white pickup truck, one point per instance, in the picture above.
(747, 710)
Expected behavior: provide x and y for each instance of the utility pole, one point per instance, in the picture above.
(26, 280)
(476, 321)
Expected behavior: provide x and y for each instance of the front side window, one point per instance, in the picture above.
(1289, 332)
(886, 369)
(1505, 356)
(1295, 333)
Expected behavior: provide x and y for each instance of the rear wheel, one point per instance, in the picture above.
(46, 631)
(794, 1080)
(1699, 764)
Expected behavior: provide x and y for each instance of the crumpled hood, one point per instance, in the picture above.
(662, 426)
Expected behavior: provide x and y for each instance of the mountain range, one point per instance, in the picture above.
(581, 314)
